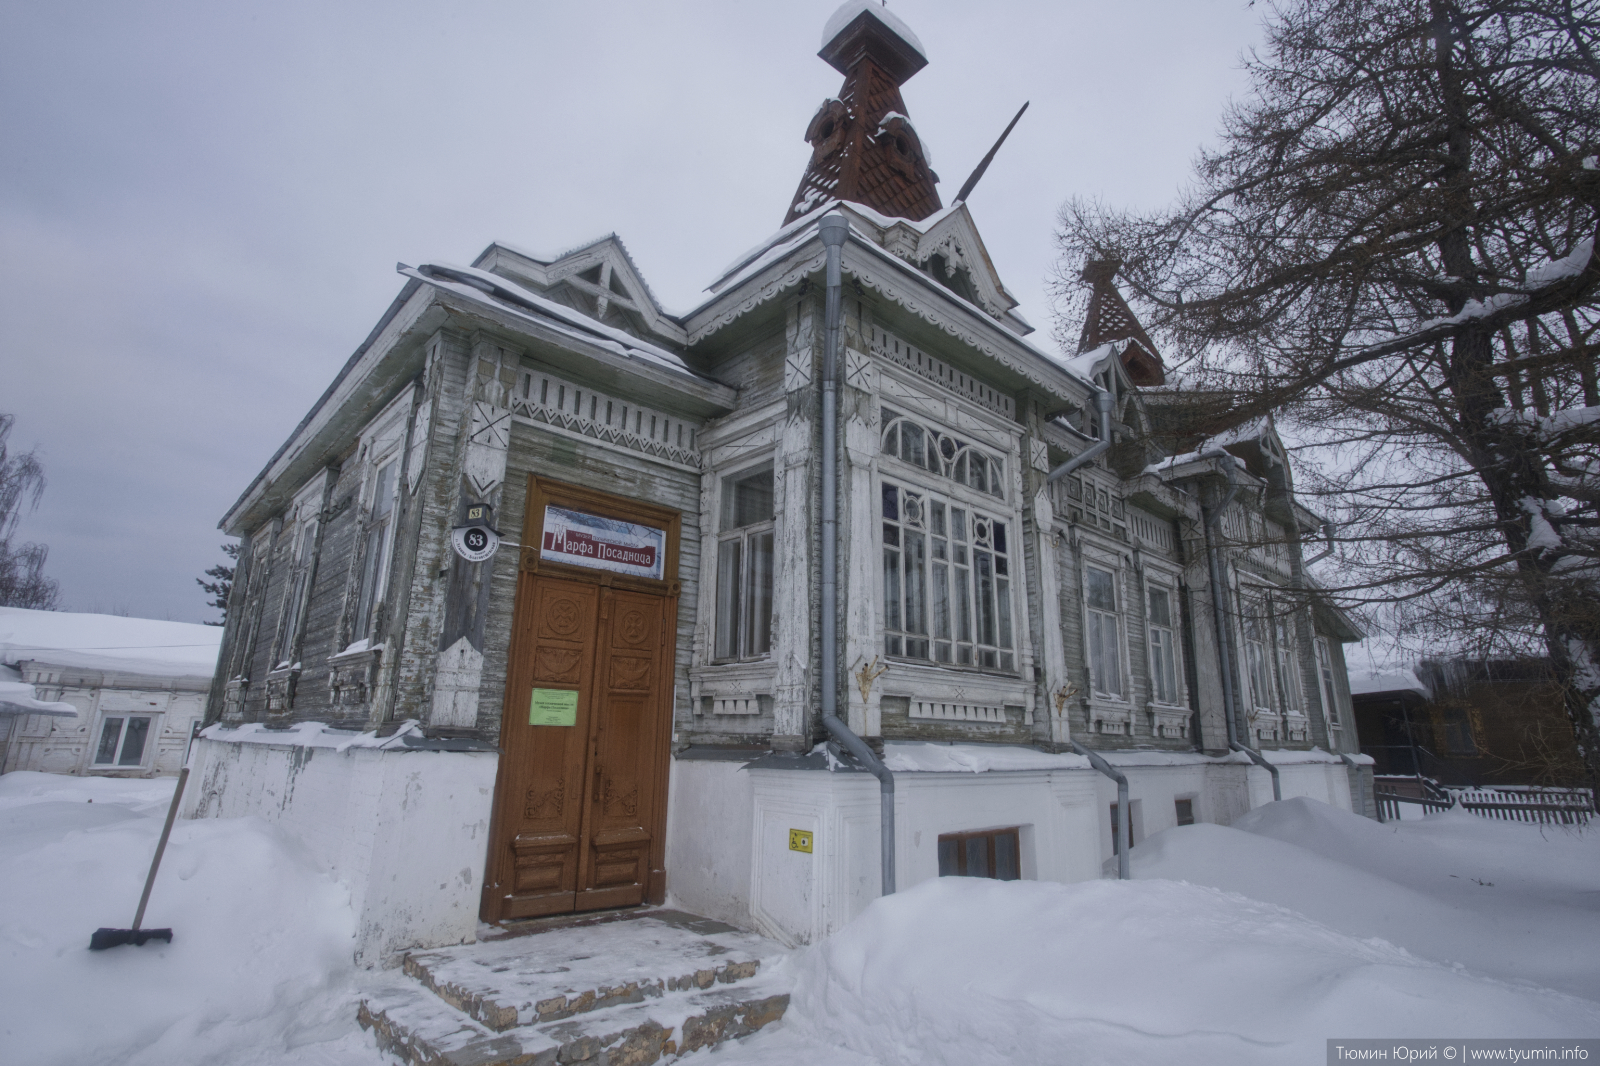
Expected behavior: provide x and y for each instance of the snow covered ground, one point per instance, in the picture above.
(259, 967)
(1250, 944)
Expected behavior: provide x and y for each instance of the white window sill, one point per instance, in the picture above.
(355, 651)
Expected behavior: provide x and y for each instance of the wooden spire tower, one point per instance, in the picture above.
(863, 146)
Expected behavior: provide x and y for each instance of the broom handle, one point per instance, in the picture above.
(166, 831)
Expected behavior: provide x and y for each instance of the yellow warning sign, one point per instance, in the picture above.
(800, 840)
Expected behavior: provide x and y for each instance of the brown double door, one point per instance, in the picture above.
(579, 808)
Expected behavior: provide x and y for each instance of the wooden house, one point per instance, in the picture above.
(644, 691)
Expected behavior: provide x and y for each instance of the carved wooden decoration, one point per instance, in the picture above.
(1109, 318)
(863, 146)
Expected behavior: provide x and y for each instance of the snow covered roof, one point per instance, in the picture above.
(549, 259)
(17, 698)
(850, 10)
(1254, 430)
(1090, 363)
(802, 232)
(109, 643)
(1369, 680)
(480, 286)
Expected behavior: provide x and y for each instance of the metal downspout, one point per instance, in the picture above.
(1102, 401)
(1328, 531)
(834, 230)
(1124, 843)
(1229, 698)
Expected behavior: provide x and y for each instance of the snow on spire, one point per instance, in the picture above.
(850, 9)
(864, 148)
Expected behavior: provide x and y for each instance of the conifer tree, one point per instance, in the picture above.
(220, 587)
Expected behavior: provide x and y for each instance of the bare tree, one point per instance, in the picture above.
(22, 580)
(1394, 247)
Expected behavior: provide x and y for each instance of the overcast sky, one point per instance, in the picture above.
(202, 203)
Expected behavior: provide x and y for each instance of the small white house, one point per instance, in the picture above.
(137, 686)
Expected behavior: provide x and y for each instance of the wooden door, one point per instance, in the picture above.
(580, 808)
(632, 686)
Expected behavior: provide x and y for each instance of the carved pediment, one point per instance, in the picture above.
(953, 253)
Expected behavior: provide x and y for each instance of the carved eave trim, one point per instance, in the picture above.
(659, 385)
(957, 230)
(901, 283)
(736, 303)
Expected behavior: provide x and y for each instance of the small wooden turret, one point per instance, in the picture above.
(863, 146)
(1109, 318)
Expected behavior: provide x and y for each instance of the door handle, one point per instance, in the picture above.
(597, 784)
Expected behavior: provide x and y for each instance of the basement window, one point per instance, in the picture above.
(995, 853)
(1185, 808)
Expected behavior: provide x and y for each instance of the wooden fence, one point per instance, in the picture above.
(1531, 805)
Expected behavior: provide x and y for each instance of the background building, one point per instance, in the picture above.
(138, 686)
(1468, 723)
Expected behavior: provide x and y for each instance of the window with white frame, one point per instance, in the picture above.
(744, 566)
(1288, 665)
(942, 454)
(1257, 656)
(946, 581)
(123, 739)
(1163, 646)
(380, 541)
(1105, 637)
(1330, 698)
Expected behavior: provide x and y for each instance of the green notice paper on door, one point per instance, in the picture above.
(553, 706)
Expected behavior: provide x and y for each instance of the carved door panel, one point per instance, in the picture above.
(633, 683)
(534, 867)
(580, 808)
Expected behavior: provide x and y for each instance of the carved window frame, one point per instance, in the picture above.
(1326, 684)
(942, 454)
(1095, 618)
(727, 539)
(936, 479)
(382, 442)
(304, 524)
(1007, 583)
(1163, 582)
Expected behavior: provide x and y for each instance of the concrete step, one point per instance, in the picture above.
(564, 971)
(423, 1030)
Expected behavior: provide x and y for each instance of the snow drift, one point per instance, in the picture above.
(259, 966)
(1501, 899)
(962, 970)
